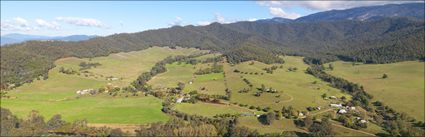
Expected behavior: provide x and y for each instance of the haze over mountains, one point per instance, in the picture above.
(18, 38)
(378, 34)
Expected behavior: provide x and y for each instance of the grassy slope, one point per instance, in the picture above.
(403, 89)
(297, 87)
(56, 95)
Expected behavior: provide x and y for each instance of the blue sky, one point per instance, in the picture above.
(105, 18)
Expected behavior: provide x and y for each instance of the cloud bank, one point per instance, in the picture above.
(90, 22)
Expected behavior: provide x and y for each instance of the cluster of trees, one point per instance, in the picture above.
(351, 122)
(263, 89)
(67, 71)
(272, 68)
(211, 98)
(292, 69)
(251, 52)
(247, 82)
(289, 112)
(244, 90)
(214, 59)
(215, 68)
(250, 73)
(87, 65)
(35, 125)
(317, 128)
(268, 118)
(397, 124)
(320, 129)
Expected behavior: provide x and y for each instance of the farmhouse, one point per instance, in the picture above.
(301, 114)
(179, 100)
(86, 91)
(342, 111)
(113, 79)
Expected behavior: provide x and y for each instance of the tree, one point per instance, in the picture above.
(279, 115)
(384, 76)
(324, 95)
(308, 121)
(55, 122)
(270, 117)
(181, 85)
(322, 129)
(331, 66)
(263, 88)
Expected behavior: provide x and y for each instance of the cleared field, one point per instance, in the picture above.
(212, 83)
(57, 95)
(176, 72)
(210, 109)
(277, 126)
(403, 90)
(126, 66)
(296, 89)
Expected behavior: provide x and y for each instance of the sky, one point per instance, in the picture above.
(53, 18)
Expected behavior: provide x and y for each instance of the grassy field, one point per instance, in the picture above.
(210, 110)
(181, 72)
(126, 66)
(56, 95)
(277, 126)
(403, 90)
(296, 89)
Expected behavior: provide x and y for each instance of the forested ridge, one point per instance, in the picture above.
(381, 40)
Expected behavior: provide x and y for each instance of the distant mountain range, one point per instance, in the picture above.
(18, 38)
(377, 34)
(410, 10)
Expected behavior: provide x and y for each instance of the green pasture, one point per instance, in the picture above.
(403, 90)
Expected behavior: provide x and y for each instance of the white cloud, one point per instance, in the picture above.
(203, 23)
(17, 24)
(252, 19)
(177, 22)
(326, 5)
(280, 13)
(89, 22)
(219, 18)
(45, 24)
(21, 21)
